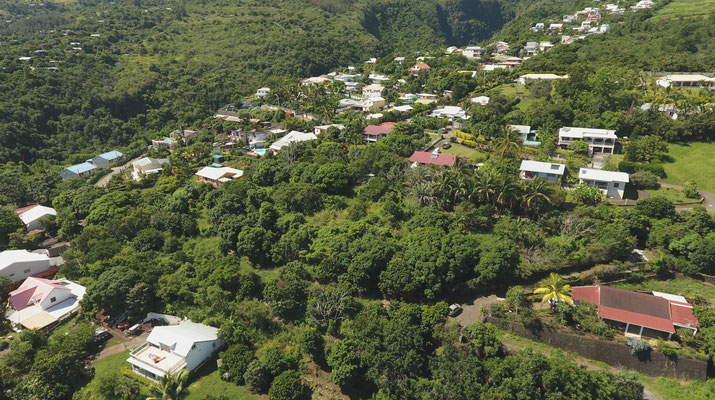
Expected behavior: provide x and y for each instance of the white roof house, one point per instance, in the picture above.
(292, 137)
(598, 140)
(687, 80)
(451, 112)
(374, 90)
(17, 265)
(263, 92)
(483, 100)
(540, 77)
(611, 183)
(217, 176)
(536, 169)
(31, 217)
(169, 349)
(147, 166)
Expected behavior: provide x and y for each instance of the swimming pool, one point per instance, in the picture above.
(260, 152)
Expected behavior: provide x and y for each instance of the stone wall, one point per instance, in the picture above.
(611, 353)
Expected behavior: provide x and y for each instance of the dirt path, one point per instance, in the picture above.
(120, 347)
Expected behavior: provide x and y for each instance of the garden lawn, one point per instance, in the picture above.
(670, 388)
(212, 384)
(112, 363)
(460, 150)
(686, 287)
(676, 196)
(691, 161)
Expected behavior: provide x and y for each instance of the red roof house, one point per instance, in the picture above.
(659, 312)
(373, 133)
(419, 67)
(424, 157)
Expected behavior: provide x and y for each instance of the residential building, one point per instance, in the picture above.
(18, 265)
(455, 114)
(527, 135)
(80, 171)
(536, 169)
(433, 158)
(346, 78)
(316, 80)
(556, 27)
(377, 78)
(502, 47)
(419, 67)
(292, 137)
(403, 108)
(263, 92)
(526, 78)
(320, 129)
(531, 48)
(611, 183)
(372, 91)
(108, 158)
(147, 166)
(218, 175)
(599, 140)
(373, 133)
(473, 52)
(539, 26)
(31, 215)
(170, 349)
(166, 143)
(481, 100)
(473, 74)
(639, 314)
(545, 46)
(42, 303)
(182, 134)
(687, 80)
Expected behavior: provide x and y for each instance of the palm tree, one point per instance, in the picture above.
(507, 144)
(424, 194)
(485, 186)
(537, 193)
(507, 190)
(554, 289)
(171, 386)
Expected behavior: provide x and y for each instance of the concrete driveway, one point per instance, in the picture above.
(470, 310)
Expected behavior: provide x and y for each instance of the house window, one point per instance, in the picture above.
(53, 299)
(615, 184)
(27, 271)
(11, 275)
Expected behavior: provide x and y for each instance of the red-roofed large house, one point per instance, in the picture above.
(652, 315)
(434, 158)
(419, 67)
(373, 133)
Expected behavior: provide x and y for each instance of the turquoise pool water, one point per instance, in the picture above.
(260, 151)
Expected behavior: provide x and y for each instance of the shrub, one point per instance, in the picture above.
(686, 337)
(287, 386)
(639, 347)
(311, 342)
(691, 191)
(588, 194)
(579, 147)
(470, 143)
(234, 362)
(669, 351)
(256, 377)
(644, 180)
(628, 385)
(564, 313)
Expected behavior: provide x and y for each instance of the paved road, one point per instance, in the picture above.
(102, 182)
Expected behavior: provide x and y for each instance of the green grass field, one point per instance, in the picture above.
(691, 161)
(211, 384)
(459, 150)
(676, 196)
(685, 287)
(686, 8)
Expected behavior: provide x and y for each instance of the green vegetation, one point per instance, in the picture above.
(689, 288)
(688, 164)
(685, 8)
(213, 385)
(670, 388)
(461, 150)
(674, 195)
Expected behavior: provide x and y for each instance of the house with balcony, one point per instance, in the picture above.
(108, 158)
(473, 52)
(170, 349)
(147, 166)
(42, 303)
(687, 80)
(536, 169)
(611, 183)
(598, 140)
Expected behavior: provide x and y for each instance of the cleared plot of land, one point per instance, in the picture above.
(686, 8)
(686, 287)
(691, 162)
(676, 196)
(212, 385)
(460, 150)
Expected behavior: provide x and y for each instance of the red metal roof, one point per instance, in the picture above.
(420, 66)
(683, 314)
(383, 129)
(589, 293)
(424, 157)
(648, 321)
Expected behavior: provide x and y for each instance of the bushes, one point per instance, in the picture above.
(644, 180)
(691, 191)
(287, 386)
(639, 347)
(632, 167)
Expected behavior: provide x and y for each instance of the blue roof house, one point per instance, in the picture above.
(107, 158)
(78, 171)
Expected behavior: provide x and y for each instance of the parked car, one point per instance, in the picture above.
(454, 309)
(101, 335)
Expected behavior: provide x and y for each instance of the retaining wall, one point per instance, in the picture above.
(611, 353)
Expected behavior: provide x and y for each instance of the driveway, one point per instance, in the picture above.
(709, 198)
(470, 311)
(102, 182)
(129, 343)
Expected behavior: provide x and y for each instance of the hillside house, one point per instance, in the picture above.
(170, 349)
(531, 48)
(545, 46)
(263, 92)
(108, 158)
(611, 183)
(377, 78)
(147, 166)
(539, 26)
(556, 27)
(526, 78)
(18, 265)
(81, 171)
(373, 133)
(639, 314)
(31, 215)
(218, 175)
(433, 158)
(527, 135)
(321, 129)
(481, 100)
(415, 70)
(687, 80)
(42, 303)
(599, 140)
(473, 52)
(536, 169)
(292, 137)
(372, 91)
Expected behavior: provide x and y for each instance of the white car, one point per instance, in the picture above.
(454, 309)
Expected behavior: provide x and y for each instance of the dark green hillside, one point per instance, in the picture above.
(160, 64)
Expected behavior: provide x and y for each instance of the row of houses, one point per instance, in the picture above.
(89, 167)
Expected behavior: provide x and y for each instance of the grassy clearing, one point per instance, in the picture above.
(686, 287)
(676, 196)
(111, 363)
(669, 388)
(691, 161)
(686, 8)
(208, 382)
(460, 150)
